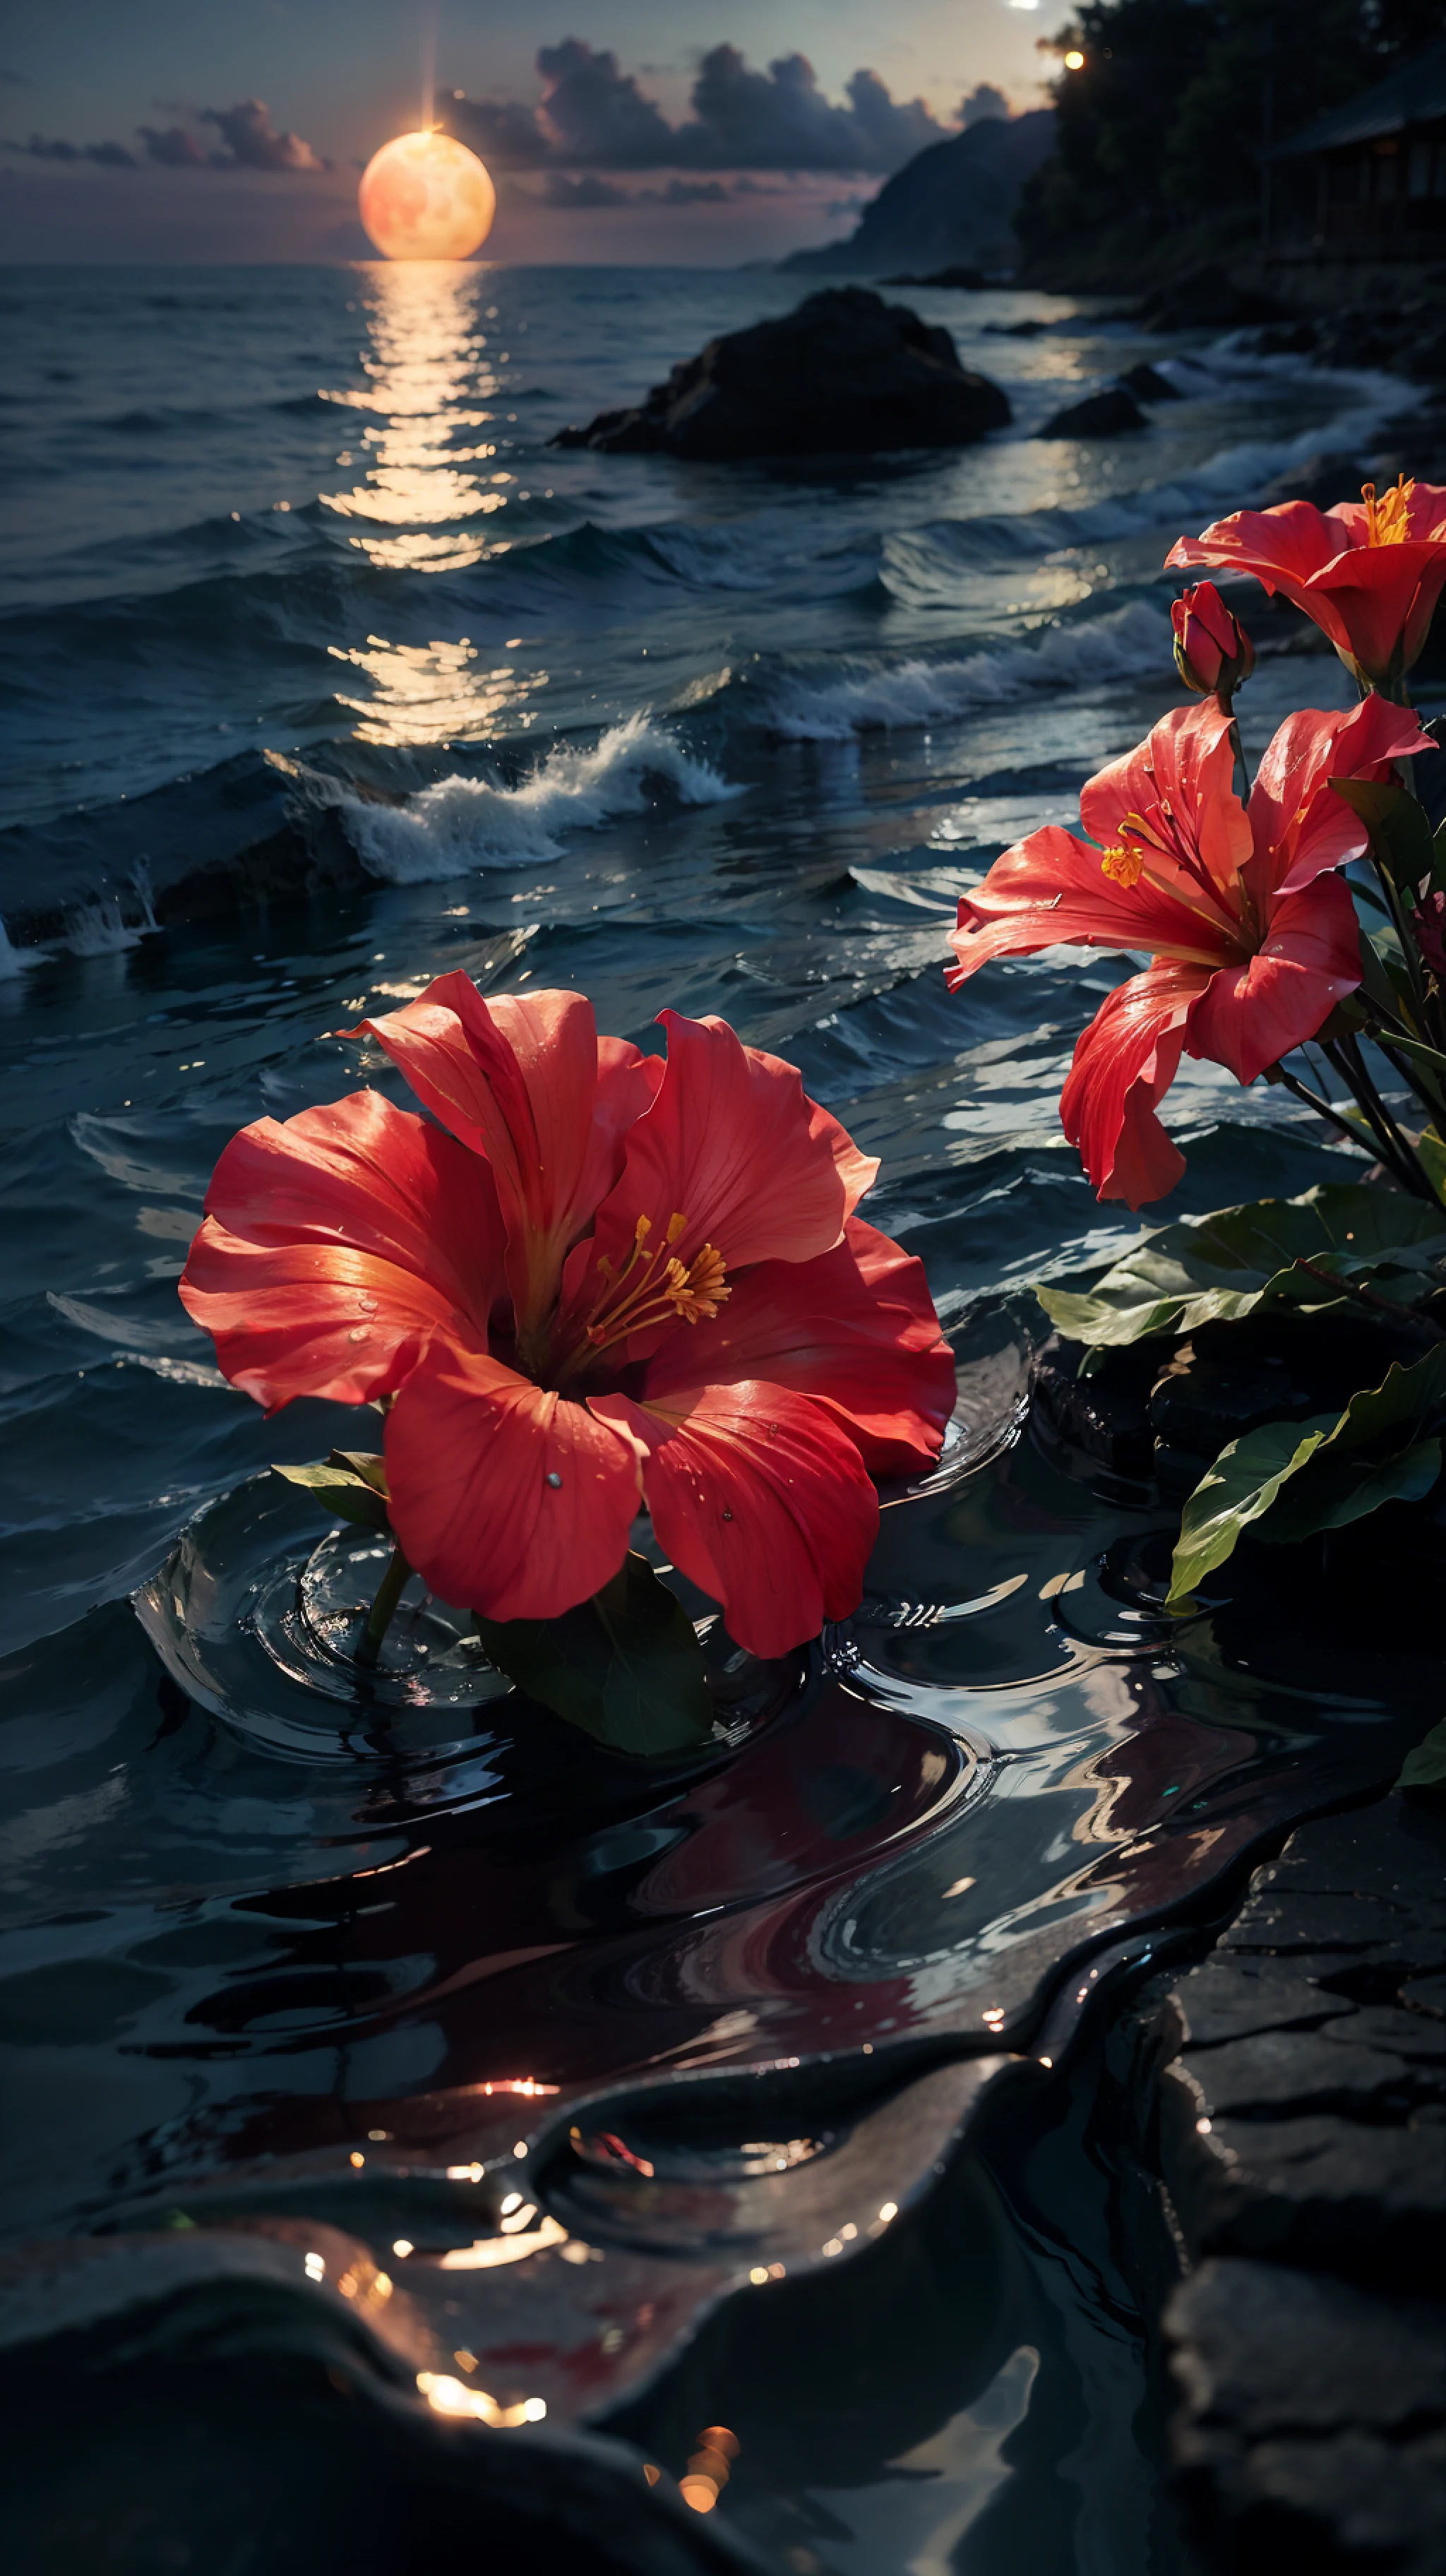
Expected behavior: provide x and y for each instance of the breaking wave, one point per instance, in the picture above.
(1126, 644)
(462, 823)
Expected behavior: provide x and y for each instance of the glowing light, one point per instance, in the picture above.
(316, 2267)
(425, 196)
(889, 2211)
(492, 2250)
(402, 2246)
(357, 2160)
(451, 2397)
(1074, 60)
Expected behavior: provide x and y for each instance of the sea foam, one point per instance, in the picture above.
(462, 823)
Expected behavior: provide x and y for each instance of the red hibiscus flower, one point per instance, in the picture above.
(1253, 936)
(599, 1280)
(1369, 572)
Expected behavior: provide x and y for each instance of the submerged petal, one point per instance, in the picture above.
(507, 1498)
(760, 1497)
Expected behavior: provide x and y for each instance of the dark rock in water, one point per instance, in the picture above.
(1102, 415)
(968, 281)
(1206, 300)
(1148, 385)
(1015, 330)
(847, 374)
(256, 828)
(1286, 340)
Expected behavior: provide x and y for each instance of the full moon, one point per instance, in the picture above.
(425, 196)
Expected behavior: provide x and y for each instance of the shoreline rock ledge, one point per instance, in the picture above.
(846, 374)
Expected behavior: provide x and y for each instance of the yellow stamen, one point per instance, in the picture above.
(1124, 865)
(698, 1291)
(676, 1294)
(1387, 520)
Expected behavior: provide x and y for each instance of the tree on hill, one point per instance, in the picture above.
(1158, 134)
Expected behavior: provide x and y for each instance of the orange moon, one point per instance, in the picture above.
(425, 196)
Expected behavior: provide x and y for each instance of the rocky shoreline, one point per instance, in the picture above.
(1288, 2096)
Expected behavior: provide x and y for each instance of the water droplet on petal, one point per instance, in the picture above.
(727, 1515)
(360, 1333)
(553, 1478)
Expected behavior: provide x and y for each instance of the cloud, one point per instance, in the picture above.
(691, 192)
(592, 114)
(982, 102)
(252, 142)
(589, 190)
(247, 131)
(173, 147)
(112, 156)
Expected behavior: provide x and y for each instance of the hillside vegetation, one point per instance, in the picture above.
(1158, 137)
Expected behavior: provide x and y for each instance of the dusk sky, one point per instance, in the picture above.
(139, 133)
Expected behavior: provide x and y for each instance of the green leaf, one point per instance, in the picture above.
(1214, 1269)
(1339, 1467)
(1438, 861)
(625, 1666)
(1400, 829)
(1431, 1155)
(350, 1486)
(1425, 1766)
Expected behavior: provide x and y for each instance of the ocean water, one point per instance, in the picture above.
(316, 658)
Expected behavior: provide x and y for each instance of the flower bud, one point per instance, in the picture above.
(1212, 649)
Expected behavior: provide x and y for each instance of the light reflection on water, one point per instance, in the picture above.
(429, 377)
(427, 359)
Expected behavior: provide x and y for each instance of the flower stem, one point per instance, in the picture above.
(1396, 1153)
(383, 1609)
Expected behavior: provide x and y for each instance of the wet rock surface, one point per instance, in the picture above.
(1102, 415)
(846, 374)
(1301, 2142)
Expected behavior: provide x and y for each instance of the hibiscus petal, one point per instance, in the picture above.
(524, 1081)
(759, 1497)
(1051, 891)
(733, 1145)
(507, 1498)
(335, 1243)
(1123, 1065)
(1178, 782)
(1282, 547)
(1300, 827)
(1384, 598)
(314, 1318)
(855, 1329)
(1252, 1015)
